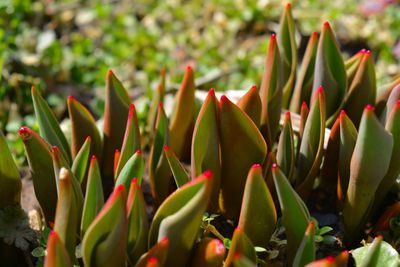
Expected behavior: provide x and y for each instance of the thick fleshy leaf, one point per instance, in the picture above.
(179, 218)
(56, 254)
(134, 168)
(393, 127)
(138, 226)
(384, 92)
(239, 136)
(183, 117)
(295, 216)
(116, 110)
(82, 126)
(94, 199)
(288, 49)
(48, 125)
(240, 244)
(104, 243)
(158, 251)
(306, 252)
(377, 253)
(80, 163)
(391, 102)
(285, 155)
(10, 180)
(205, 145)
(258, 214)
(131, 140)
(304, 81)
(311, 147)
(159, 172)
(330, 261)
(210, 252)
(66, 222)
(271, 92)
(40, 162)
(251, 104)
(348, 138)
(156, 99)
(330, 71)
(303, 119)
(180, 175)
(362, 89)
(369, 164)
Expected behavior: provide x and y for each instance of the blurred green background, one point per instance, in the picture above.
(65, 47)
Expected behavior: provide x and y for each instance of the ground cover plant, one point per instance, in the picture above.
(296, 172)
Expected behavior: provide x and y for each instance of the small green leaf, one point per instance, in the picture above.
(285, 156)
(378, 253)
(250, 103)
(134, 168)
(79, 165)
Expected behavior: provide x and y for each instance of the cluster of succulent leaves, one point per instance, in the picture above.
(247, 163)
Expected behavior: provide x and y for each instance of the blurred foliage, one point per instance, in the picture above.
(65, 47)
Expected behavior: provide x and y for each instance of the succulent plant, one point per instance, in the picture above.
(234, 160)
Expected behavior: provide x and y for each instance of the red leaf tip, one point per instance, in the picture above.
(326, 24)
(342, 113)
(253, 87)
(288, 6)
(131, 110)
(166, 148)
(314, 34)
(165, 239)
(211, 91)
(189, 68)
(119, 188)
(256, 166)
(304, 105)
(208, 174)
(71, 98)
(93, 158)
(53, 234)
(110, 73)
(367, 52)
(274, 167)
(237, 255)
(330, 259)
(138, 152)
(397, 104)
(134, 181)
(320, 89)
(273, 37)
(287, 115)
(152, 260)
(161, 105)
(369, 107)
(24, 131)
(88, 138)
(224, 99)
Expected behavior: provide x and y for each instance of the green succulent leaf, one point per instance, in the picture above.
(250, 103)
(369, 164)
(311, 146)
(330, 71)
(179, 218)
(156, 99)
(66, 222)
(206, 145)
(82, 126)
(285, 156)
(377, 253)
(304, 81)
(239, 136)
(258, 214)
(180, 175)
(306, 251)
(48, 125)
(159, 171)
(80, 163)
(94, 199)
(183, 117)
(131, 140)
(138, 226)
(271, 93)
(288, 49)
(104, 243)
(41, 166)
(134, 168)
(295, 216)
(209, 252)
(116, 110)
(242, 245)
(57, 254)
(10, 180)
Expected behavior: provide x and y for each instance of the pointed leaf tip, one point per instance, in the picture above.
(71, 98)
(134, 181)
(189, 68)
(314, 34)
(24, 132)
(110, 72)
(273, 37)
(208, 174)
(320, 89)
(369, 107)
(224, 99)
(93, 157)
(138, 152)
(288, 6)
(256, 166)
(211, 91)
(326, 24)
(161, 105)
(254, 88)
(274, 167)
(166, 148)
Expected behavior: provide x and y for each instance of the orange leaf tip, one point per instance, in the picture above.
(119, 188)
(152, 260)
(110, 73)
(189, 68)
(253, 88)
(134, 181)
(163, 71)
(314, 34)
(88, 138)
(208, 174)
(326, 24)
(330, 259)
(53, 234)
(288, 6)
(161, 105)
(342, 113)
(287, 115)
(369, 107)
